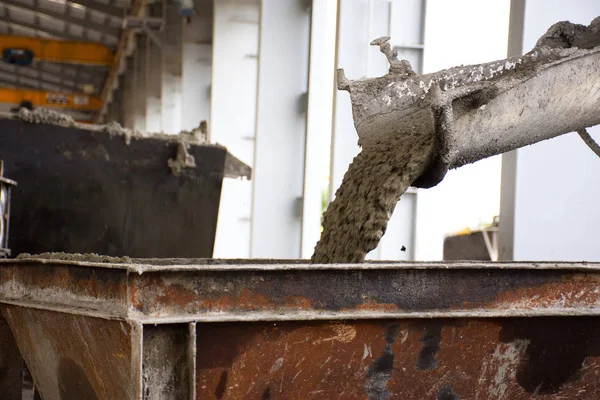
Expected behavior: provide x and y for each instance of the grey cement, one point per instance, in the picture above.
(182, 160)
(198, 135)
(45, 116)
(357, 219)
(88, 257)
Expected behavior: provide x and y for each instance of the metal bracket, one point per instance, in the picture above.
(155, 37)
(589, 140)
(152, 23)
(490, 237)
(151, 26)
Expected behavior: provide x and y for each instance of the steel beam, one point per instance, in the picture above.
(153, 87)
(126, 36)
(18, 82)
(44, 30)
(119, 100)
(172, 70)
(19, 73)
(187, 290)
(49, 99)
(129, 93)
(80, 76)
(61, 51)
(104, 29)
(140, 79)
(108, 9)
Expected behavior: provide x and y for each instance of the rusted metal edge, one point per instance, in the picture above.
(236, 168)
(272, 292)
(192, 353)
(358, 315)
(68, 309)
(8, 181)
(141, 266)
(138, 319)
(137, 358)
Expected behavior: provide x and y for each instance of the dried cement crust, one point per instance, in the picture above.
(40, 115)
(87, 257)
(45, 116)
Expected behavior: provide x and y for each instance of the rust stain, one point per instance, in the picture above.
(573, 292)
(343, 333)
(84, 281)
(298, 302)
(475, 359)
(372, 306)
(81, 357)
(175, 295)
(290, 360)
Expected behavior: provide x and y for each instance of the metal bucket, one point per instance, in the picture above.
(84, 191)
(251, 329)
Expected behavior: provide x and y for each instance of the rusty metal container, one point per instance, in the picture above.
(86, 191)
(102, 328)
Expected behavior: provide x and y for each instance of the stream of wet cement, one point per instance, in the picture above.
(355, 221)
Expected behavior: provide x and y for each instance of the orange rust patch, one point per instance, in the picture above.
(298, 302)
(245, 301)
(571, 292)
(176, 295)
(371, 306)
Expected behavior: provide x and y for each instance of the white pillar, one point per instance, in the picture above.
(153, 78)
(139, 74)
(129, 93)
(321, 88)
(281, 128)
(119, 100)
(233, 116)
(197, 66)
(172, 70)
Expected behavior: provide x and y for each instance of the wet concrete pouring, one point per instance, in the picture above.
(412, 129)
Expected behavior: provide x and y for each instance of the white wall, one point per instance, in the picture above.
(557, 192)
(461, 32)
